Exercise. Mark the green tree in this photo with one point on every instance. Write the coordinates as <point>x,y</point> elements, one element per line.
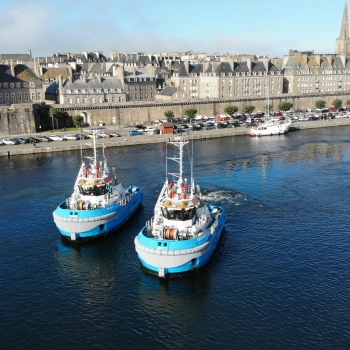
<point>231,110</point>
<point>248,109</point>
<point>337,103</point>
<point>320,104</point>
<point>78,121</point>
<point>285,106</point>
<point>53,114</point>
<point>169,115</point>
<point>348,102</point>
<point>269,107</point>
<point>190,113</point>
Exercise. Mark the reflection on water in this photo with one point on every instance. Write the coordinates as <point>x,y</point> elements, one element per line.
<point>279,275</point>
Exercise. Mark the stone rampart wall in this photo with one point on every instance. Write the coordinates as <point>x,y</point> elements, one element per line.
<point>19,119</point>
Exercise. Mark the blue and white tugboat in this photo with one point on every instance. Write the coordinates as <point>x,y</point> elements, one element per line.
<point>98,204</point>
<point>184,232</point>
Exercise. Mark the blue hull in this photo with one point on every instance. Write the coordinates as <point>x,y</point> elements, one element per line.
<point>161,247</point>
<point>84,225</point>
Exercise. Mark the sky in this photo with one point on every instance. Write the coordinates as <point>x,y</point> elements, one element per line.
<point>260,27</point>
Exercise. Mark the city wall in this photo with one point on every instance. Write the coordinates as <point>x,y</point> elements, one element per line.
<point>33,118</point>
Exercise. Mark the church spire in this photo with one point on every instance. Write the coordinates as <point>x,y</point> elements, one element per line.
<point>344,30</point>
<point>342,44</point>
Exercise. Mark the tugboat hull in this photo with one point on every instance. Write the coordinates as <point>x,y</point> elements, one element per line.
<point>84,225</point>
<point>168,257</point>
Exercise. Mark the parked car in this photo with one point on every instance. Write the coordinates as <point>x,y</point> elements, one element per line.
<point>32,139</point>
<point>81,136</point>
<point>224,124</point>
<point>20,140</point>
<point>176,120</point>
<point>134,132</point>
<point>195,127</point>
<point>43,138</point>
<point>8,141</point>
<point>69,137</point>
<point>103,134</point>
<point>209,125</point>
<point>235,124</point>
<point>56,138</point>
<point>114,134</point>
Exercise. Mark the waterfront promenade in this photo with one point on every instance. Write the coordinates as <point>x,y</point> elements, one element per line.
<point>127,140</point>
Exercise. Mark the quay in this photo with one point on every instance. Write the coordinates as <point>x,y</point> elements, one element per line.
<point>127,140</point>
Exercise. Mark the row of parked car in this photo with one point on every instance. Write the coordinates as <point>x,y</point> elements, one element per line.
<point>49,138</point>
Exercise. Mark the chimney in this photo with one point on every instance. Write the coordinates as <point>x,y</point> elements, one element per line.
<point>249,64</point>
<point>12,69</point>
<point>187,66</point>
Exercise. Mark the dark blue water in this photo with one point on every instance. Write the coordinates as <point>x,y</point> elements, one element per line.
<point>279,278</point>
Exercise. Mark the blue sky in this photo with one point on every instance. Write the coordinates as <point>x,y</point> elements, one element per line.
<point>262,27</point>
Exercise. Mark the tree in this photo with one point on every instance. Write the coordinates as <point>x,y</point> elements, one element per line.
<point>348,102</point>
<point>53,115</point>
<point>190,113</point>
<point>337,103</point>
<point>248,109</point>
<point>169,115</point>
<point>231,110</point>
<point>78,121</point>
<point>320,104</point>
<point>285,106</point>
<point>269,107</point>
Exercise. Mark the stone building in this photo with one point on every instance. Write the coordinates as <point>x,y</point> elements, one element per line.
<point>19,84</point>
<point>86,91</point>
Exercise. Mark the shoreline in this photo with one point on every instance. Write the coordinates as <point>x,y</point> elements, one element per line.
<point>127,140</point>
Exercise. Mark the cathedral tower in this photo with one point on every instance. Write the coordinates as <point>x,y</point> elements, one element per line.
<point>342,45</point>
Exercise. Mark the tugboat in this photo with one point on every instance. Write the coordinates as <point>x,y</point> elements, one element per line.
<point>98,205</point>
<point>184,231</point>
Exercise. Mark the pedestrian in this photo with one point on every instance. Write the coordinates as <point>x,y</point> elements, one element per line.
<point>34,144</point>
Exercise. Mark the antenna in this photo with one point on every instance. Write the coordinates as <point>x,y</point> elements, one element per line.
<point>166,161</point>
<point>192,174</point>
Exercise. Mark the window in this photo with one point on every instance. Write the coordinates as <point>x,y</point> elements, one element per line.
<point>85,100</point>
<point>13,97</point>
<point>93,99</point>
<point>6,97</point>
<point>0,97</point>
<point>113,99</point>
<point>25,85</point>
<point>26,97</point>
<point>78,100</point>
<point>19,96</point>
<point>100,100</point>
<point>136,95</point>
<point>70,101</point>
<point>39,96</point>
<point>33,96</point>
<point>31,84</point>
<point>120,99</point>
<point>6,85</point>
<point>18,85</point>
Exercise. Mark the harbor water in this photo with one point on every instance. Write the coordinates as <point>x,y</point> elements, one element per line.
<point>279,278</point>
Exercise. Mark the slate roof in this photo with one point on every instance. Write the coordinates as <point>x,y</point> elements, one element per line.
<point>94,83</point>
<point>15,57</point>
<point>168,91</point>
<point>53,73</point>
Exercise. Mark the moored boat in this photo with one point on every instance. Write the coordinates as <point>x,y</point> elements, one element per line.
<point>184,231</point>
<point>98,205</point>
<point>271,126</point>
